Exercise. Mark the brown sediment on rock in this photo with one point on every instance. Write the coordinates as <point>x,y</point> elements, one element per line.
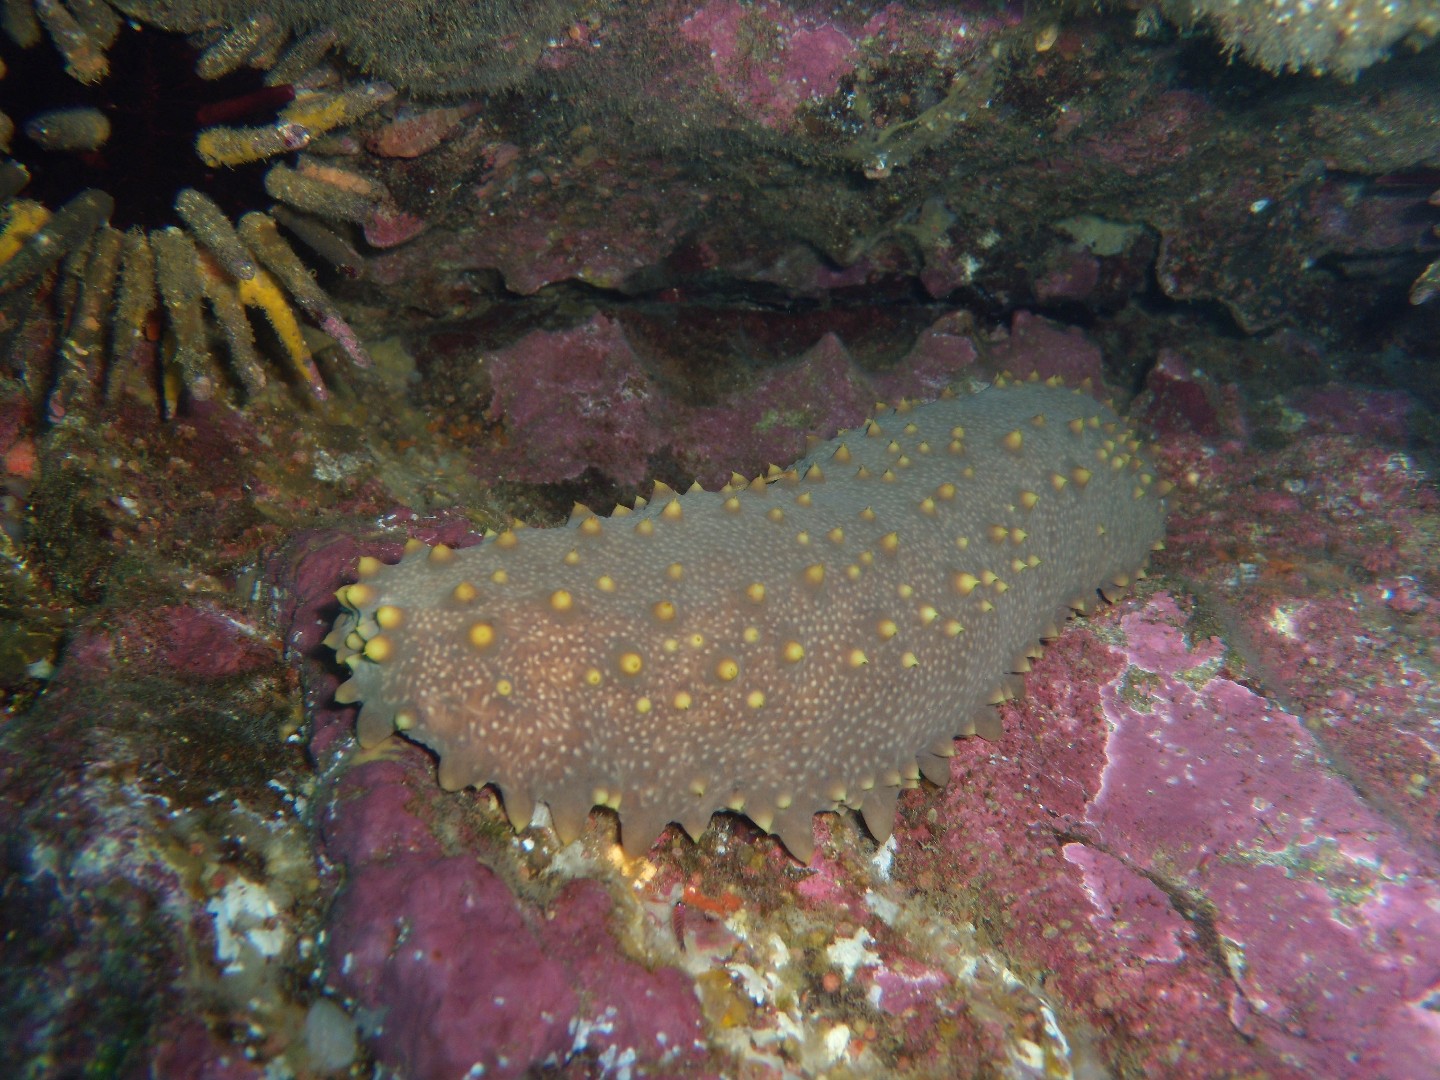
<point>800,642</point>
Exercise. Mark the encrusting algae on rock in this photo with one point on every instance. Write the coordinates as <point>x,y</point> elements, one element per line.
<point>801,642</point>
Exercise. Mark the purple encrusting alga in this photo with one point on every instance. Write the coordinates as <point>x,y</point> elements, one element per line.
<point>1328,921</point>
<point>461,975</point>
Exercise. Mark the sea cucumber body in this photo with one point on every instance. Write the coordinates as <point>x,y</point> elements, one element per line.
<point>780,647</point>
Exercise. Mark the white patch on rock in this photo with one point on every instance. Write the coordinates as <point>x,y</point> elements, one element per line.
<point>246,921</point>
<point>852,953</point>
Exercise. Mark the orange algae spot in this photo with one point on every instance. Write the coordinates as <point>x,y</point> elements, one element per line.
<point>23,219</point>
<point>725,904</point>
<point>21,460</point>
<point>343,179</point>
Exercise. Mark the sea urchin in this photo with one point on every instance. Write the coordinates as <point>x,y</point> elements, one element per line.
<point>142,194</point>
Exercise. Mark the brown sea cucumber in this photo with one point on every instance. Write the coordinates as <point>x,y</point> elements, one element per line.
<point>799,642</point>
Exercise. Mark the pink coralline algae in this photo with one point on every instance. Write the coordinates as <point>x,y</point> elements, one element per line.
<point>1340,411</point>
<point>1037,346</point>
<point>905,986</point>
<point>1328,919</point>
<point>461,974</point>
<point>129,921</point>
<point>191,641</point>
<point>1181,399</point>
<point>1222,901</point>
<point>577,399</point>
<point>574,399</point>
<point>1292,551</point>
<point>772,59</point>
<point>1129,905</point>
<point>1158,137</point>
<point>501,1005</point>
<point>803,58</point>
<point>821,390</point>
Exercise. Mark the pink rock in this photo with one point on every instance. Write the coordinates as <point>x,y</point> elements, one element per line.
<point>1129,905</point>
<point>376,824</point>
<point>821,392</point>
<point>572,400</point>
<point>418,133</point>
<point>1181,398</point>
<point>1344,410</point>
<point>542,235</point>
<point>1230,904</point>
<point>440,950</point>
<point>581,398</point>
<point>172,641</point>
<point>1036,345</point>
<point>1158,137</point>
<point>463,973</point>
<point>798,268</point>
<point>1073,278</point>
<point>827,885</point>
<point>808,58</point>
<point>630,1012</point>
<point>390,227</point>
<point>907,985</point>
<point>209,644</point>
<point>937,359</point>
<point>1290,545</point>
<point>1226,796</point>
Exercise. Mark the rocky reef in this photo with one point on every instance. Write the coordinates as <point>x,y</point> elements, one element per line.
<point>281,288</point>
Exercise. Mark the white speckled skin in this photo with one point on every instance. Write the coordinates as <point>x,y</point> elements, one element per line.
<point>779,648</point>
